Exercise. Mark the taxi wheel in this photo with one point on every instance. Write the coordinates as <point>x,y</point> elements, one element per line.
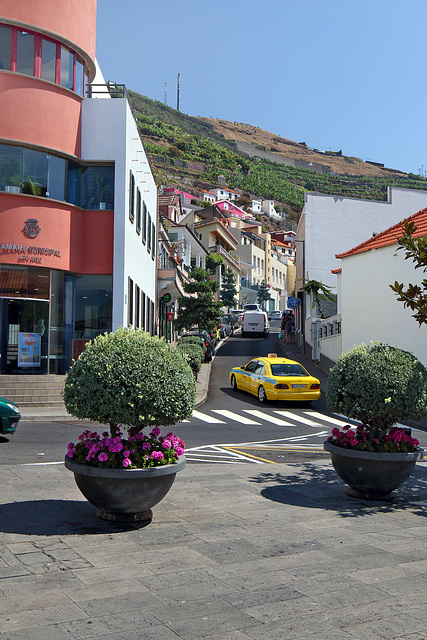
<point>234,383</point>
<point>262,396</point>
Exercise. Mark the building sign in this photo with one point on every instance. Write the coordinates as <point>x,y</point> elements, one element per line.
<point>27,254</point>
<point>293,303</point>
<point>169,316</point>
<point>166,298</point>
<point>28,349</point>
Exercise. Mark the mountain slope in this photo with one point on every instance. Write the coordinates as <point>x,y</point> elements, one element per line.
<point>202,153</point>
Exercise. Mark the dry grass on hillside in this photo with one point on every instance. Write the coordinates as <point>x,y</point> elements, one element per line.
<point>282,146</point>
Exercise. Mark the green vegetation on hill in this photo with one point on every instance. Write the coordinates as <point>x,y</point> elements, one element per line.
<point>176,139</point>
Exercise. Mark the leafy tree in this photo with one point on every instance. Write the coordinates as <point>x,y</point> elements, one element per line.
<point>130,378</point>
<point>198,307</point>
<point>228,292</point>
<point>263,293</point>
<point>320,292</point>
<point>214,260</point>
<point>414,296</point>
<point>378,385</point>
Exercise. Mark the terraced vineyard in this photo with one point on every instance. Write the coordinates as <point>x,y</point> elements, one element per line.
<point>189,151</point>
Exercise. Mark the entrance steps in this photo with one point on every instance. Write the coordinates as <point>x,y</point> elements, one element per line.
<point>33,391</point>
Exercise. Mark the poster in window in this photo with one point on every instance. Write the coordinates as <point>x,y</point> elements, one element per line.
<point>28,349</point>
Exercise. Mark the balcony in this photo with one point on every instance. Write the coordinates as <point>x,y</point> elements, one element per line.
<point>218,249</point>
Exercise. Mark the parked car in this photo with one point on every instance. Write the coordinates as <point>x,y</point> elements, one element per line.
<point>274,378</point>
<point>255,322</point>
<point>225,328</point>
<point>9,416</point>
<point>275,315</point>
<point>238,313</point>
<point>209,342</point>
<point>251,307</point>
<point>233,320</point>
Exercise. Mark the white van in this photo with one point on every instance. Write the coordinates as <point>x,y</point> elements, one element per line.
<point>255,322</point>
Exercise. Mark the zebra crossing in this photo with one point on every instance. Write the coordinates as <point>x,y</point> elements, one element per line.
<point>235,453</point>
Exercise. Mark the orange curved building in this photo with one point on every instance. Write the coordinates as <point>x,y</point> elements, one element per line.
<point>65,192</point>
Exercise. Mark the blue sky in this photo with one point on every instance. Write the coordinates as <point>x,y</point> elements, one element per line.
<point>337,74</point>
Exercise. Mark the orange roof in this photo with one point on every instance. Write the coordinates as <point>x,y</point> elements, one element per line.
<point>391,235</point>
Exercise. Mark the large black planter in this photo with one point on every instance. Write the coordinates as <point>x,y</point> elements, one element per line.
<point>370,475</point>
<point>124,495</point>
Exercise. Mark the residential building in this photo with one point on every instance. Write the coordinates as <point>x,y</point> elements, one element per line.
<point>330,224</point>
<point>365,276</point>
<point>78,202</point>
<point>179,251</point>
<point>222,193</point>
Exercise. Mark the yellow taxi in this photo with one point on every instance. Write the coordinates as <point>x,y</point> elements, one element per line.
<point>274,378</point>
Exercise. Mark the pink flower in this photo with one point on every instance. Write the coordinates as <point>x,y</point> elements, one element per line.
<point>157,455</point>
<point>179,451</point>
<point>126,453</point>
<point>103,457</point>
<point>156,432</point>
<point>126,462</point>
<point>166,444</point>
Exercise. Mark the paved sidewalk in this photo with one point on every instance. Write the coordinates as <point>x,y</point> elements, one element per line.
<point>234,552</point>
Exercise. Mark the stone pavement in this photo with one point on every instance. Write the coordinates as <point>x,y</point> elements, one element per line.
<point>234,552</point>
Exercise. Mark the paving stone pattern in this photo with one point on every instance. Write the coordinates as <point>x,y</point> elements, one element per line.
<point>233,553</point>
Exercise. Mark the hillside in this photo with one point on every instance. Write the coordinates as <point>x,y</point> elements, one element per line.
<point>201,153</point>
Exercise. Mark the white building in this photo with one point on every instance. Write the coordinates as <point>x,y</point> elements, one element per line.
<point>328,226</point>
<point>369,309</point>
<point>109,132</point>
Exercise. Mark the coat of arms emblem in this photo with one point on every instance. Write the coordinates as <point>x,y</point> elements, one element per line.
<point>31,229</point>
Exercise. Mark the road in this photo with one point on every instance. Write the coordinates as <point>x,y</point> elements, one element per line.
<point>230,427</point>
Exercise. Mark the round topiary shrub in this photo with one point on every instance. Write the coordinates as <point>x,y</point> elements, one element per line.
<point>378,385</point>
<point>130,378</point>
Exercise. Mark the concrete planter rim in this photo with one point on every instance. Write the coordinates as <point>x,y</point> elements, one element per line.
<point>150,472</point>
<point>373,455</point>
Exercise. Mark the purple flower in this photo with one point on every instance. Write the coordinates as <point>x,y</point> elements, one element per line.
<point>155,432</point>
<point>157,455</point>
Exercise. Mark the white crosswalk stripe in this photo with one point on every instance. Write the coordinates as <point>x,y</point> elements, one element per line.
<point>268,418</point>
<point>205,418</point>
<point>235,416</point>
<point>339,423</point>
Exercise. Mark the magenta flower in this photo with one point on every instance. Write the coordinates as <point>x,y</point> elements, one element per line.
<point>127,462</point>
<point>157,455</point>
<point>103,457</point>
<point>166,444</point>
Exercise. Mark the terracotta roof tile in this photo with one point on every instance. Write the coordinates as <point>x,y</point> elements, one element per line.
<point>390,235</point>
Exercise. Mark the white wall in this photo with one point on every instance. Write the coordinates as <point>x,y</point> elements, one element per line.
<point>334,224</point>
<point>370,309</point>
<point>109,132</point>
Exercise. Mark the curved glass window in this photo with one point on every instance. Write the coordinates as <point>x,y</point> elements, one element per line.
<point>25,53</point>
<point>48,60</point>
<point>58,63</point>
<point>67,68</point>
<point>38,173</point>
<point>5,43</point>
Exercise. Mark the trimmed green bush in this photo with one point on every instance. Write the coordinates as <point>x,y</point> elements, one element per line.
<point>194,340</point>
<point>193,354</point>
<point>131,378</point>
<point>378,385</point>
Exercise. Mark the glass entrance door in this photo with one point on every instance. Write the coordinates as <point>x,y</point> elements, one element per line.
<point>24,331</point>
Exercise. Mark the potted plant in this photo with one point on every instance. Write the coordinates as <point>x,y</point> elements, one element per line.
<point>378,385</point>
<point>128,380</point>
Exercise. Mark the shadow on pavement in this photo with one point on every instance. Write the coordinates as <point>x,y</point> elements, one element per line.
<point>57,517</point>
<point>320,488</point>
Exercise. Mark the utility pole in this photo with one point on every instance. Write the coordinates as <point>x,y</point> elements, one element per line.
<point>177,91</point>
<point>166,92</point>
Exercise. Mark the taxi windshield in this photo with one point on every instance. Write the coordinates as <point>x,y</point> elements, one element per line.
<point>288,370</point>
